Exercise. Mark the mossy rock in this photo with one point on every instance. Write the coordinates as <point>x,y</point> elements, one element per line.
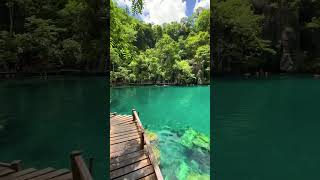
<point>182,171</point>
<point>188,137</point>
<point>196,176</point>
<point>202,141</point>
<point>192,138</point>
<point>152,136</point>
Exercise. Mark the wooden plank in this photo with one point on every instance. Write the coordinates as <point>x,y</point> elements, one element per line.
<point>51,174</point>
<point>17,174</point>
<point>127,156</point>
<point>114,123</point>
<point>124,133</point>
<point>150,177</point>
<point>7,165</point>
<point>129,126</point>
<point>130,168</point>
<point>123,130</point>
<point>6,171</point>
<point>124,115</point>
<point>119,117</point>
<point>35,174</point>
<point>128,140</point>
<point>121,123</point>
<point>124,152</point>
<point>127,162</point>
<point>127,137</point>
<point>112,128</point>
<point>63,177</point>
<point>124,146</point>
<point>2,168</point>
<point>115,120</point>
<point>137,174</point>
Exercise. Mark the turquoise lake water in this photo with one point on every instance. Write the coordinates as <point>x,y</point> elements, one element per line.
<point>266,128</point>
<point>42,121</point>
<point>169,111</point>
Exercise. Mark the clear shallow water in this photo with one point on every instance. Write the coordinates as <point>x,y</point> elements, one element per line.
<point>266,129</point>
<point>42,121</point>
<point>168,111</point>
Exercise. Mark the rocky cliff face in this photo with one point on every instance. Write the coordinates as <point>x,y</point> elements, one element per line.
<point>281,26</point>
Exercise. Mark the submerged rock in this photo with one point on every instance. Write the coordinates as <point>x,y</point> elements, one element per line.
<point>182,171</point>
<point>152,136</point>
<point>191,138</point>
<point>188,137</point>
<point>196,176</point>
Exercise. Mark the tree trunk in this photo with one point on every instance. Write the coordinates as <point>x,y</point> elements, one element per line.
<point>11,20</point>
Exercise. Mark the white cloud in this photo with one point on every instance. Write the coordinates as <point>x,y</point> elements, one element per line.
<point>124,3</point>
<point>202,3</point>
<point>160,11</point>
<point>164,11</point>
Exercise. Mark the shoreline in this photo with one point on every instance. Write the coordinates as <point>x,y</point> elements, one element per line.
<point>155,84</point>
<point>46,75</point>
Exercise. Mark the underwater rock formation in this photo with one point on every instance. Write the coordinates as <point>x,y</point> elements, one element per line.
<point>196,176</point>
<point>191,139</point>
<point>152,136</point>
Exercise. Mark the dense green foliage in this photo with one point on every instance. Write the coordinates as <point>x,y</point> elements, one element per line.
<point>238,40</point>
<point>250,35</point>
<point>177,52</point>
<point>43,36</point>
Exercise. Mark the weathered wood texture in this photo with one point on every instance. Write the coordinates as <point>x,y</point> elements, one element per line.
<point>130,154</point>
<point>13,171</point>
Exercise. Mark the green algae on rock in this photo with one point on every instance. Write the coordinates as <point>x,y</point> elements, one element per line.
<point>182,171</point>
<point>152,136</point>
<point>196,176</point>
<point>191,138</point>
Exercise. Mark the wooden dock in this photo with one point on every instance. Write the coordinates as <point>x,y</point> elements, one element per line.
<point>131,155</point>
<point>79,171</point>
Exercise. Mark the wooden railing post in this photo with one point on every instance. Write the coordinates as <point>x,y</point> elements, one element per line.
<point>74,168</point>
<point>133,116</point>
<point>79,168</point>
<point>142,140</point>
<point>91,165</point>
<point>16,165</point>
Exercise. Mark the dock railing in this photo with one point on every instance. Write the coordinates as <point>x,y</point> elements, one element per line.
<point>80,171</point>
<point>145,144</point>
<point>15,165</point>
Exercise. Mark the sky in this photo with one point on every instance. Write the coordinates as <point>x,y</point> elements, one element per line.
<point>166,11</point>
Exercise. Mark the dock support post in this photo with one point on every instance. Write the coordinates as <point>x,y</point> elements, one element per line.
<point>74,169</point>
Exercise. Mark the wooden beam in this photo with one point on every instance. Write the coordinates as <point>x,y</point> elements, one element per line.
<point>78,167</point>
